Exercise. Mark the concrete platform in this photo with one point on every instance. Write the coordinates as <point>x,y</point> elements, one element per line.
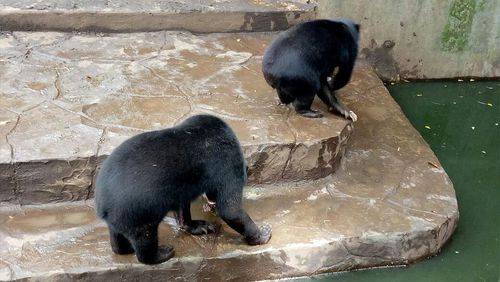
<point>390,203</point>
<point>67,100</point>
<point>153,15</point>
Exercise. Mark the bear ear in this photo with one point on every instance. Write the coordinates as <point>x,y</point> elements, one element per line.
<point>357,27</point>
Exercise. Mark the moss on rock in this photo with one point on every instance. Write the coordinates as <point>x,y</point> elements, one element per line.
<point>455,35</point>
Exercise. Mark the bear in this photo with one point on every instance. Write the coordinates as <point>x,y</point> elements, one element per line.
<point>299,64</point>
<point>156,172</point>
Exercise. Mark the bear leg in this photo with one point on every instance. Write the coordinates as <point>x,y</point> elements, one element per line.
<point>303,104</point>
<point>284,97</point>
<point>328,97</point>
<point>119,243</point>
<point>194,227</point>
<point>145,242</point>
<point>239,220</point>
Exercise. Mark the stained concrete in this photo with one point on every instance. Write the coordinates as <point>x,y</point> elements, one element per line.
<point>390,203</point>
<point>153,15</point>
<point>427,38</point>
<point>370,193</point>
<point>67,100</point>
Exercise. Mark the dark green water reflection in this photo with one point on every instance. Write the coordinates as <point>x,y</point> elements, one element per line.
<point>460,121</point>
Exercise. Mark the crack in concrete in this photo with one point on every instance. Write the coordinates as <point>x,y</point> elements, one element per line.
<point>123,127</point>
<point>57,86</point>
<point>158,52</point>
<point>340,194</point>
<point>27,54</point>
<point>413,209</point>
<point>66,36</point>
<point>183,116</point>
<point>396,189</point>
<point>91,161</point>
<point>227,69</point>
<point>349,252</point>
<point>157,96</point>
<point>93,60</point>
<point>294,145</point>
<point>18,118</point>
<point>52,58</point>
<point>9,268</point>
<point>17,41</point>
<point>95,160</point>
<point>185,96</point>
<point>322,269</point>
<point>75,174</point>
<point>243,63</point>
<point>32,107</point>
<point>16,187</point>
<point>251,71</point>
<point>290,153</point>
<point>80,114</point>
<point>199,268</point>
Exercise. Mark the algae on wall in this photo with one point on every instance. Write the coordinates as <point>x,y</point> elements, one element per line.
<point>458,27</point>
<point>432,38</point>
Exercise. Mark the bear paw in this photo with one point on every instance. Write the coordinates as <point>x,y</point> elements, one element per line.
<point>311,114</point>
<point>200,227</point>
<point>353,116</point>
<point>263,237</point>
<point>163,254</point>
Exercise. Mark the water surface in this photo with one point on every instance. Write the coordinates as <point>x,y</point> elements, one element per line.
<point>460,121</point>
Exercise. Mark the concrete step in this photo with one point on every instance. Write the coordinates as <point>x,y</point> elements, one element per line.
<point>153,15</point>
<point>67,100</point>
<point>390,203</point>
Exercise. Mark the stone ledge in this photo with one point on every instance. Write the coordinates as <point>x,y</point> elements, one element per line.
<point>386,205</point>
<point>67,100</point>
<point>323,226</point>
<point>204,16</point>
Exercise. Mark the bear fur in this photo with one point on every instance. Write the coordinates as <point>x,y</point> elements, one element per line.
<point>299,62</point>
<point>156,172</point>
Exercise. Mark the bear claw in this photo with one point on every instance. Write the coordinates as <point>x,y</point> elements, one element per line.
<point>200,227</point>
<point>263,237</point>
<point>164,253</point>
<point>311,114</point>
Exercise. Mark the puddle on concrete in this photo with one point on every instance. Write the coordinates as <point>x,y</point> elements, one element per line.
<point>39,220</point>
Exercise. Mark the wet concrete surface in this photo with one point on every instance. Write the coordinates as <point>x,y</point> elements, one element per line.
<point>153,5</point>
<point>153,15</point>
<point>67,100</point>
<point>390,203</point>
<point>444,112</point>
<point>381,208</point>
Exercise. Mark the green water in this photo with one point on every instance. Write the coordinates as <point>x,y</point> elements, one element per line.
<point>461,123</point>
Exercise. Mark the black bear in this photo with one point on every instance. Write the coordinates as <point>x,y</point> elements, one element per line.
<point>156,172</point>
<point>299,62</point>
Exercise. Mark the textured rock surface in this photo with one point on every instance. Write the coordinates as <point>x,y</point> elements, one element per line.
<point>67,100</point>
<point>427,39</point>
<point>153,15</point>
<point>386,205</point>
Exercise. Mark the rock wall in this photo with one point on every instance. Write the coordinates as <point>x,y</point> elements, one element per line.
<point>425,38</point>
